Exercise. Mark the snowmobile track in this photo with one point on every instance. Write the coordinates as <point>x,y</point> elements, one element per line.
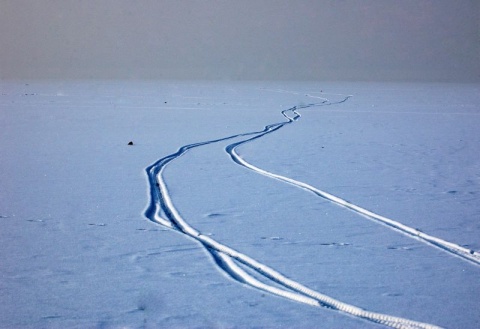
<point>161,210</point>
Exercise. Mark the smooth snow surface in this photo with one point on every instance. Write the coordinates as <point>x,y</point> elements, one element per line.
<point>363,206</point>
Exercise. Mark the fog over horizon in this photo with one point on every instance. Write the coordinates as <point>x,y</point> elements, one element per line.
<point>413,40</point>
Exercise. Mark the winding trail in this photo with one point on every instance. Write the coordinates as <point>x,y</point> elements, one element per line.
<point>241,267</point>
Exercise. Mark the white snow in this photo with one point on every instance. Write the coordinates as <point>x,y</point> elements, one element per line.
<point>77,250</point>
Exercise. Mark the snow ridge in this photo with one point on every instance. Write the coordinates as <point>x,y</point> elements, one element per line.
<point>239,266</point>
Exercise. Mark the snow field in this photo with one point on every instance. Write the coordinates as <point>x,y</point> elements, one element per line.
<point>407,152</point>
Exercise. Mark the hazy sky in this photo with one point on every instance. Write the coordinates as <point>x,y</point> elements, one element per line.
<point>242,39</point>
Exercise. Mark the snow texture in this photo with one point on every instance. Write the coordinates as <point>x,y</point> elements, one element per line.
<point>264,199</point>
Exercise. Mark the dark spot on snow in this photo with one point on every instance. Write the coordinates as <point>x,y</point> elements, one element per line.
<point>398,248</point>
<point>452,192</point>
<point>97,224</point>
<point>214,214</point>
<point>130,143</point>
<point>472,252</point>
<point>1,216</point>
<point>341,244</point>
<point>165,102</point>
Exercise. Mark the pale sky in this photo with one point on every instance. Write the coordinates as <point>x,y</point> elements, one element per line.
<point>436,40</point>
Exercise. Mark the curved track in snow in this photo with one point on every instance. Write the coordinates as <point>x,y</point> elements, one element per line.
<point>462,252</point>
<point>161,210</point>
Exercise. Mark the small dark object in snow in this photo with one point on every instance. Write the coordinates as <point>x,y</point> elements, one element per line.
<point>130,143</point>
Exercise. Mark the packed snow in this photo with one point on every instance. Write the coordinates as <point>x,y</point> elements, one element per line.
<point>239,204</point>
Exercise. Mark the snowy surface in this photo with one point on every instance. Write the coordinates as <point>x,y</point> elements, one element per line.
<point>77,250</point>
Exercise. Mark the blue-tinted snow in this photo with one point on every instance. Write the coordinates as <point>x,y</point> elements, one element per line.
<point>77,251</point>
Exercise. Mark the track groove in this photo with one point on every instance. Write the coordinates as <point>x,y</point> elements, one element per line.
<point>161,210</point>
